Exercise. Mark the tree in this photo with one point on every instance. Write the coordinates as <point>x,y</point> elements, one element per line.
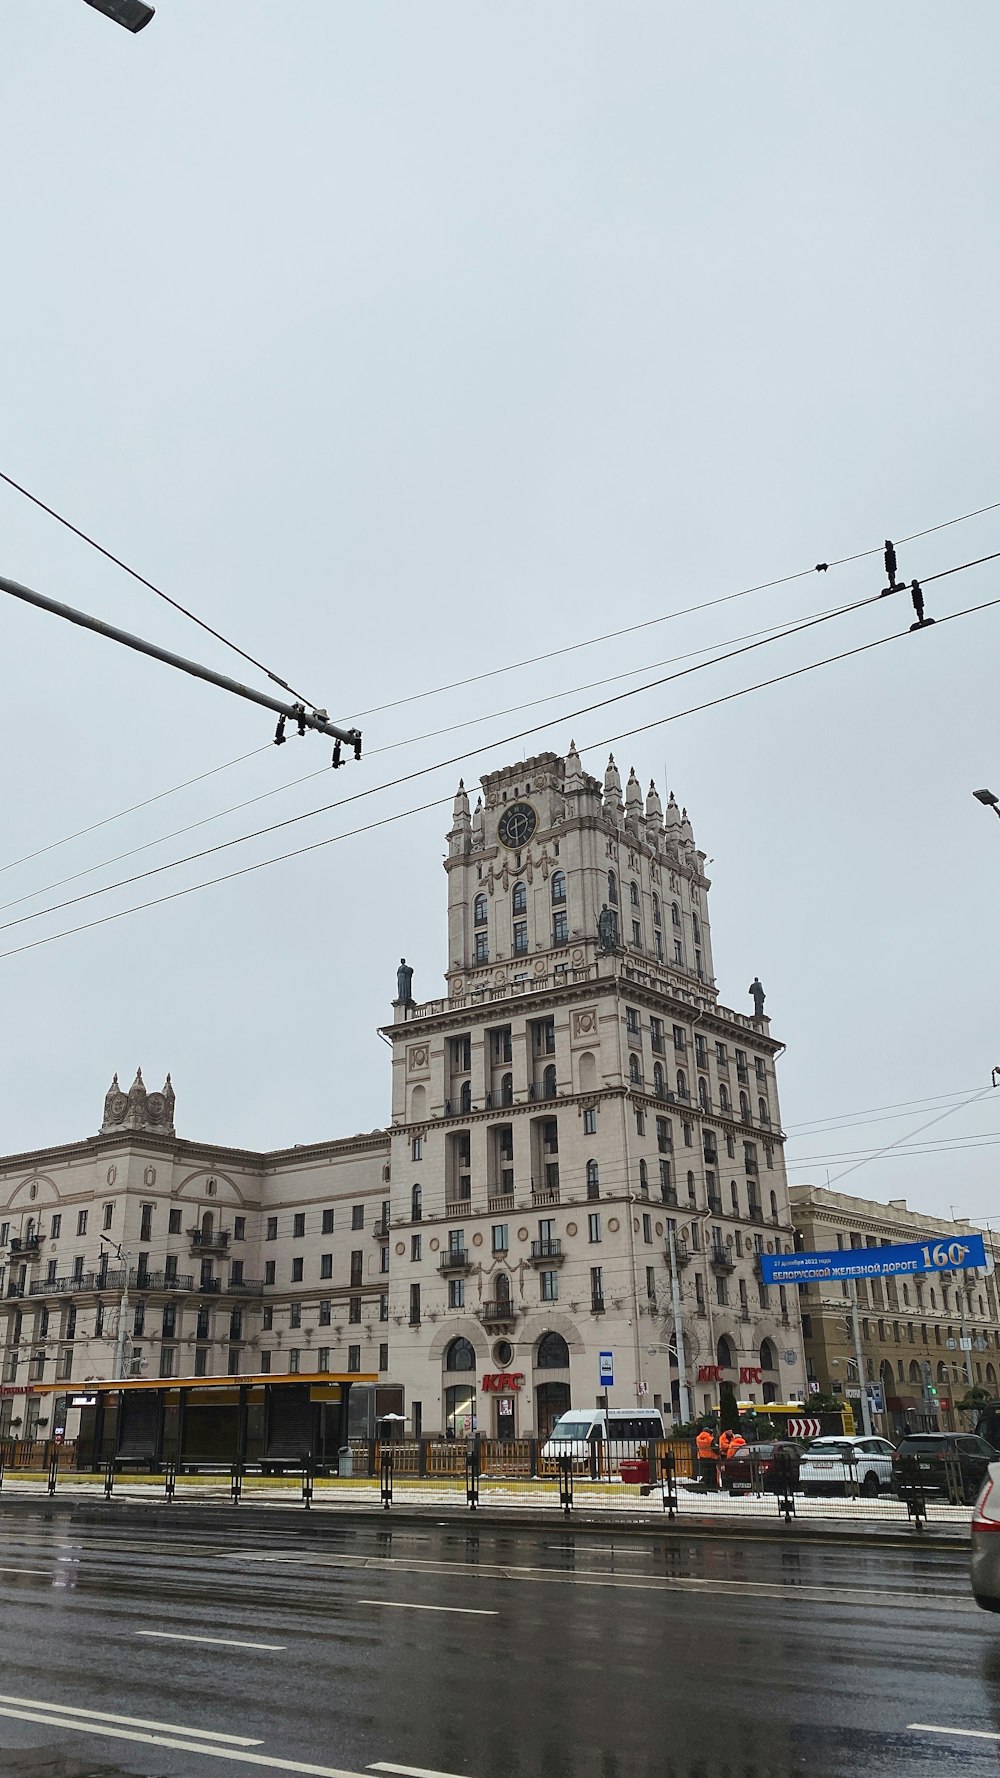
<point>729,1413</point>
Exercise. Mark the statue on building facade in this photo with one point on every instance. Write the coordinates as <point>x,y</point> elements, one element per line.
<point>607,929</point>
<point>757,993</point>
<point>404,982</point>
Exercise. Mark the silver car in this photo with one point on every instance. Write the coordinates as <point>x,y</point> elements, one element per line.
<point>986,1542</point>
<point>831,1464</point>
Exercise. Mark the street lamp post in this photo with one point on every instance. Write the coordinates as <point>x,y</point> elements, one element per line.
<point>989,800</point>
<point>133,14</point>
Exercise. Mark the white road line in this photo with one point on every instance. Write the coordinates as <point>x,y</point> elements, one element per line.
<point>598,1549</point>
<point>206,1748</point>
<point>216,1641</point>
<point>45,1571</point>
<point>403,1605</point>
<point>385,1765</point>
<point>132,1722</point>
<point>931,1728</point>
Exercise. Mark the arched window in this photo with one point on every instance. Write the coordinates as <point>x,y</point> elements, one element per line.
<point>656,910</point>
<point>416,1204</point>
<point>480,910</point>
<point>906,1296</point>
<point>658,1079</point>
<point>465,1096</point>
<point>703,1093</point>
<point>507,1090</point>
<point>612,888</point>
<point>942,1371</point>
<point>991,1375</point>
<point>206,1228</point>
<point>735,1195</point>
<point>682,1085</point>
<point>633,893</point>
<point>552,1400</point>
<point>519,899</point>
<point>768,1356</point>
<point>675,914</point>
<point>558,888</point>
<point>644,1179</point>
<point>762,1111</point>
<point>725,1103</point>
<point>744,1109</point>
<point>501,1288</point>
<point>633,1070</point>
<point>549,1081</point>
<point>774,1207</point>
<point>724,1353</point>
<point>460,1355</point>
<point>914,1371</point>
<point>691,1191</point>
<point>593,1180</point>
<point>552,1353</point>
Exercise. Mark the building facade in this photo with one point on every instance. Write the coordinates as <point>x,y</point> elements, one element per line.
<point>585,1157</point>
<point>925,1339</point>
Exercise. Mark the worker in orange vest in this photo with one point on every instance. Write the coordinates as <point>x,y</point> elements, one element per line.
<point>730,1443</point>
<point>708,1458</point>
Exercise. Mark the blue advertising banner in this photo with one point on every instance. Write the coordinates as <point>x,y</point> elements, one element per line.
<point>944,1255</point>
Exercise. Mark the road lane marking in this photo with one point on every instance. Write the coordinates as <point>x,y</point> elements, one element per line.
<point>403,1605</point>
<point>931,1728</point>
<point>217,1641</point>
<point>598,1549</point>
<point>45,1571</point>
<point>206,1748</point>
<point>134,1722</point>
<point>385,1765</point>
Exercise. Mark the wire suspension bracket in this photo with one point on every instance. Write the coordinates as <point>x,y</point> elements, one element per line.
<point>899,586</point>
<point>297,712</point>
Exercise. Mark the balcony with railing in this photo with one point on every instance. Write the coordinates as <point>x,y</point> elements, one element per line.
<point>25,1246</point>
<point>721,1257</point>
<point>499,1313</point>
<point>547,1253</point>
<point>597,1304</point>
<point>209,1240</point>
<point>76,1283</point>
<point>682,1253</point>
<point>380,1229</point>
<point>498,1206</point>
<point>454,1261</point>
<point>542,1195</point>
<point>157,1281</point>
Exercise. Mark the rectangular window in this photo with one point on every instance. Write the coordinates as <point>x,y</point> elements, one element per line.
<point>520,938</point>
<point>168,1355</point>
<point>81,1223</point>
<point>482,947</point>
<point>174,1222</point>
<point>296,1271</point>
<point>640,1122</point>
<point>326,1265</point>
<point>383,1260</point>
<point>383,1306</point>
<point>267,1317</point>
<point>294,1354</point>
<point>760,1068</point>
<point>233,1366</point>
<point>145,1222</point>
<point>699,1290</point>
<point>414,1305</point>
<point>298,1225</point>
<point>236,1272</point>
<point>357,1216</point>
<point>650,1284</point>
<point>632,1020</point>
<point>56,1229</point>
<point>722,1060</point>
<point>560,927</point>
<point>295,1314</point>
<point>656,1036</point>
<point>456,1293</point>
<point>594,1226</point>
<point>239,1228</point>
<point>327,1222</point>
<point>597,1286</point>
<point>66,1362</point>
<point>271,1233</point>
<point>236,1324</point>
<point>590,1121</point>
<point>109,1211</point>
<point>170,1269</point>
<point>354,1311</point>
<point>354,1358</point>
<point>269,1265</point>
<point>357,1268</point>
<point>325,1312</point>
<point>688,1135</point>
<point>323,1359</point>
<point>637,935</point>
<point>383,1356</point>
<point>417,1148</point>
<point>549,1286</point>
<point>414,1247</point>
<point>201,1361</point>
<point>678,951</point>
<point>647,1226</point>
<point>722,1291</point>
<point>99,1321</point>
<point>265,1364</point>
<point>139,1319</point>
<point>501,1237</point>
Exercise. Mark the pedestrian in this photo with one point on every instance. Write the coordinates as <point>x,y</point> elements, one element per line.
<point>708,1458</point>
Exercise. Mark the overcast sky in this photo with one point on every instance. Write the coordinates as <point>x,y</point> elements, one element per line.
<point>404,341</point>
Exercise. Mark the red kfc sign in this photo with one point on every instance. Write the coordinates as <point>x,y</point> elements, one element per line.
<point>710,1373</point>
<point>498,1382</point>
<point>751,1373</point>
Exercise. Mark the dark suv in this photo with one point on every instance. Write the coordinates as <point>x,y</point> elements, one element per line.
<point>950,1463</point>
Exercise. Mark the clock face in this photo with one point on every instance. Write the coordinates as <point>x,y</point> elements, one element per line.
<point>517,824</point>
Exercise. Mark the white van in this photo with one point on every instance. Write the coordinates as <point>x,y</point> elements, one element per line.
<point>576,1431</point>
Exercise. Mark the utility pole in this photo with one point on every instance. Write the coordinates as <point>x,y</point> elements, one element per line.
<point>295,713</point>
<point>866,1410</point>
<point>122,1336</point>
<point>684,1400</point>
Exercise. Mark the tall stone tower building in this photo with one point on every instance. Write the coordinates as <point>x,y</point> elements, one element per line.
<point>586,1148</point>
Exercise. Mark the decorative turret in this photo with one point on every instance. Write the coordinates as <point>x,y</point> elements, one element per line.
<point>613,790</point>
<point>460,837</point>
<point>687,831</point>
<point>654,814</point>
<point>574,779</point>
<point>672,818</point>
<point>137,1109</point>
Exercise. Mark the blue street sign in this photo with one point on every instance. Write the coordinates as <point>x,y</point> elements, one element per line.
<point>606,1369</point>
<point>945,1254</point>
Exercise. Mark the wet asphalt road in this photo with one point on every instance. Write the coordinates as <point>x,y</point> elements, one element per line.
<point>556,1654</point>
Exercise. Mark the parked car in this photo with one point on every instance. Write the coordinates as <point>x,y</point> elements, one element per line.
<point>831,1464</point>
<point>986,1542</point>
<point>757,1469</point>
<point>950,1463</point>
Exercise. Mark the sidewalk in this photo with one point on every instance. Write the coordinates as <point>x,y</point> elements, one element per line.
<point>531,1504</point>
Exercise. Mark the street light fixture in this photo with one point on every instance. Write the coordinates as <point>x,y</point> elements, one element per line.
<point>988,798</point>
<point>133,14</point>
